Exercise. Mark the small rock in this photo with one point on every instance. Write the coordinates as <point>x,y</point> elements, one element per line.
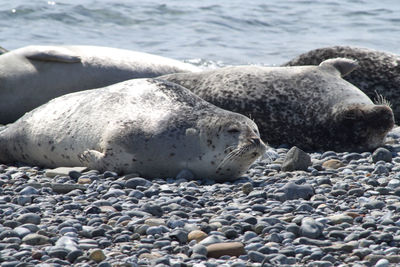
<point>29,218</point>
<point>247,188</point>
<point>35,239</point>
<point>296,159</point>
<point>341,218</point>
<point>310,228</point>
<point>333,164</point>
<point>374,204</point>
<point>197,235</point>
<point>294,191</point>
<point>221,249</point>
<point>97,255</point>
<point>382,263</point>
<point>381,154</point>
<point>199,249</point>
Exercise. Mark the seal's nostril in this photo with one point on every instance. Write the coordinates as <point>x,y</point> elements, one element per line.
<point>255,141</point>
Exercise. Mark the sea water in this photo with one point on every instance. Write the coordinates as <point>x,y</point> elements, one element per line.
<point>221,32</point>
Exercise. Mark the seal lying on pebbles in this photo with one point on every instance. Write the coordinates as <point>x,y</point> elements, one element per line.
<point>378,74</point>
<point>311,107</point>
<point>32,75</point>
<point>147,126</point>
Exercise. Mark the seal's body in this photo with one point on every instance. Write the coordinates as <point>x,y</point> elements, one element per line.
<point>378,74</point>
<point>309,106</point>
<point>32,75</point>
<point>147,126</point>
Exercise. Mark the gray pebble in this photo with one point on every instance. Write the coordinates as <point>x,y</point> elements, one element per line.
<point>381,154</point>
<point>296,159</point>
<point>310,228</point>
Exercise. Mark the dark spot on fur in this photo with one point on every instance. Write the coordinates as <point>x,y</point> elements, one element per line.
<point>172,154</point>
<point>52,148</point>
<point>133,160</point>
<point>141,162</point>
<point>209,142</point>
<point>212,163</point>
<point>39,144</point>
<point>200,158</point>
<point>44,156</point>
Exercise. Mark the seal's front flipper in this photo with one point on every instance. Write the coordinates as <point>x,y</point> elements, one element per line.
<point>92,159</point>
<point>51,53</point>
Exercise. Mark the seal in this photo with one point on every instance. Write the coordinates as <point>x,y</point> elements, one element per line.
<point>378,74</point>
<point>311,107</point>
<point>32,75</point>
<point>146,126</point>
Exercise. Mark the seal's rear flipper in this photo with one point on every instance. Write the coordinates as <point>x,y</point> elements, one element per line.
<point>343,65</point>
<point>54,54</point>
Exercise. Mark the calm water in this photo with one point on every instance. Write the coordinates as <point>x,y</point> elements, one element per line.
<point>225,31</point>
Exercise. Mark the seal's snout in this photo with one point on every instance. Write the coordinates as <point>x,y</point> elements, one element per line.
<point>381,117</point>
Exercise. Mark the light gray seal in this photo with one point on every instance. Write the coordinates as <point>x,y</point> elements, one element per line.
<point>32,75</point>
<point>378,74</point>
<point>146,126</point>
<point>311,107</point>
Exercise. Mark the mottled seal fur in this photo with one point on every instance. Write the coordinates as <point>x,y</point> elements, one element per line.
<point>311,107</point>
<point>147,126</point>
<point>378,74</point>
<point>32,75</point>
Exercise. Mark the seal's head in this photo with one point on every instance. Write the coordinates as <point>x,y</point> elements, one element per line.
<point>362,127</point>
<point>230,143</point>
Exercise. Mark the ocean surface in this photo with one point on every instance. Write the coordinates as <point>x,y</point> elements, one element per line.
<point>207,32</point>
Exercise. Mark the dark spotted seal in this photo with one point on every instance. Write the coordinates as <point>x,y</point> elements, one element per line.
<point>378,74</point>
<point>31,76</point>
<point>147,126</point>
<point>309,106</point>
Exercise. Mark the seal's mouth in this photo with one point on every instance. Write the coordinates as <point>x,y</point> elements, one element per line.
<point>252,149</point>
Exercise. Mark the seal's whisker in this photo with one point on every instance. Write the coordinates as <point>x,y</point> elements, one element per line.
<point>237,153</point>
<point>381,100</point>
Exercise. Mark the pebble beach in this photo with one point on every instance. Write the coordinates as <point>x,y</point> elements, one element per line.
<point>290,209</point>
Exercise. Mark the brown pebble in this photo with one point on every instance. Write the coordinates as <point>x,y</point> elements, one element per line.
<point>333,164</point>
<point>197,235</point>
<point>97,255</point>
<point>221,249</point>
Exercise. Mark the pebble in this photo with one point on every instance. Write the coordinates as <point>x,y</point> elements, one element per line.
<point>296,159</point>
<point>310,228</point>
<point>97,255</point>
<point>197,235</point>
<point>342,210</point>
<point>220,249</point>
<point>381,154</point>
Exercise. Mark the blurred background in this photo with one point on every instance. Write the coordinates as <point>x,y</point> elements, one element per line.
<point>206,32</point>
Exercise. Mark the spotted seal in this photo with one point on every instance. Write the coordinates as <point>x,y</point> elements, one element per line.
<point>32,75</point>
<point>147,126</point>
<point>378,74</point>
<point>311,107</point>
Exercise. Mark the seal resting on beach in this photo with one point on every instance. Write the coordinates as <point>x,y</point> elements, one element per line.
<point>378,74</point>
<point>147,126</point>
<point>32,75</point>
<point>311,107</point>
